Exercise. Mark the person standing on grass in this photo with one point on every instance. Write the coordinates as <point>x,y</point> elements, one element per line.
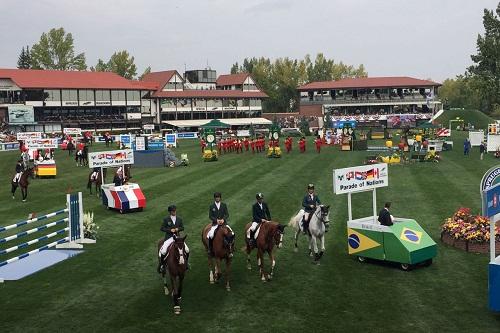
<point>482,149</point>
<point>318,143</point>
<point>467,147</point>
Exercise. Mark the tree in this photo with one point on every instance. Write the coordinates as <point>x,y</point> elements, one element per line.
<point>486,68</point>
<point>146,71</point>
<point>122,64</point>
<point>101,66</point>
<point>24,61</point>
<point>235,68</point>
<point>55,50</point>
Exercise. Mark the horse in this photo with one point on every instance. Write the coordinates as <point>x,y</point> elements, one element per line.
<point>176,263</point>
<point>70,147</point>
<point>82,157</point>
<point>316,232</point>
<point>97,181</point>
<point>23,183</point>
<point>223,249</point>
<point>270,234</point>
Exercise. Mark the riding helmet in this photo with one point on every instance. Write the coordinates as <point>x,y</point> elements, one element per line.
<point>310,186</point>
<point>172,208</point>
<point>217,195</point>
<point>259,196</point>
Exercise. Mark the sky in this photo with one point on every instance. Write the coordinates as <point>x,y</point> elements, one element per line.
<point>426,39</point>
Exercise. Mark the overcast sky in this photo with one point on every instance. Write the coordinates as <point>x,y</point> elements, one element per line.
<point>420,38</point>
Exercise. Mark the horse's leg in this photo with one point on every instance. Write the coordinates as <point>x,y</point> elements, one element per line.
<point>248,250</point>
<point>228,273</point>
<point>13,190</point>
<point>310,246</point>
<point>24,191</point>
<point>322,244</point>
<point>211,269</point>
<point>165,285</point>
<point>273,263</point>
<point>296,237</point>
<point>315,248</point>
<point>175,295</point>
<point>260,263</point>
<point>218,272</point>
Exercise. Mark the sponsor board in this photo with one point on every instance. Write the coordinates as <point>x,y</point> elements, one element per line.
<point>187,135</point>
<point>72,131</point>
<point>112,158</point>
<point>140,143</point>
<point>148,126</point>
<point>360,178</point>
<point>41,143</point>
<point>29,135</point>
<point>171,139</point>
<point>21,114</point>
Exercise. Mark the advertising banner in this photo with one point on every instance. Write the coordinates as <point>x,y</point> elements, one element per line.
<point>187,135</point>
<point>21,114</point>
<point>171,139</point>
<point>126,141</point>
<point>112,158</point>
<point>41,143</point>
<point>29,135</point>
<point>360,178</point>
<point>72,131</point>
<point>140,143</point>
<point>491,206</point>
<point>401,121</point>
<point>148,126</point>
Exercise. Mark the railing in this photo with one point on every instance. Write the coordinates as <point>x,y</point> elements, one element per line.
<point>363,100</point>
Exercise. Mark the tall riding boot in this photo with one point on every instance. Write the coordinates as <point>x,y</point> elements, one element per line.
<point>187,261</point>
<point>161,267</point>
<point>210,247</point>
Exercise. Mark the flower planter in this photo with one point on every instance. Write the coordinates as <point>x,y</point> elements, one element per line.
<point>483,247</point>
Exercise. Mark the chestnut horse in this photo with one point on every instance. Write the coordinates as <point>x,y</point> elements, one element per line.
<point>23,183</point>
<point>223,249</point>
<point>176,263</point>
<point>270,234</point>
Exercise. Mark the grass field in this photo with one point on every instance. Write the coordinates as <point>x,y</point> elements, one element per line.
<point>479,119</point>
<point>113,286</point>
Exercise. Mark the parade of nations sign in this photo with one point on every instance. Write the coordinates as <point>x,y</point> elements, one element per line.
<point>360,178</point>
<point>41,143</point>
<point>112,158</point>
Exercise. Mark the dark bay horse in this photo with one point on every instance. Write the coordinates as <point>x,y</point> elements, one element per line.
<point>97,181</point>
<point>176,263</point>
<point>223,248</point>
<point>23,183</point>
<point>82,157</point>
<point>270,234</point>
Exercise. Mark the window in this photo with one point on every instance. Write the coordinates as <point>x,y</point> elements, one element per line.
<point>69,95</point>
<point>118,95</point>
<point>102,95</point>
<point>86,95</point>
<point>133,95</point>
<point>52,95</point>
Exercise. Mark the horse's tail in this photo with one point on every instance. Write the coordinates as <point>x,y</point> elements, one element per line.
<point>294,221</point>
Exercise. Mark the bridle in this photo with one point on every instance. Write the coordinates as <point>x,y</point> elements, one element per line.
<point>322,214</point>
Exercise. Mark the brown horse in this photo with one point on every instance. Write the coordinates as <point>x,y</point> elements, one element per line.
<point>223,249</point>
<point>270,234</point>
<point>97,181</point>
<point>176,263</point>
<point>23,183</point>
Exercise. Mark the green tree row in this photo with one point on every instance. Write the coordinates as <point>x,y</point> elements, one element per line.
<point>280,78</point>
<point>56,50</point>
<point>479,87</point>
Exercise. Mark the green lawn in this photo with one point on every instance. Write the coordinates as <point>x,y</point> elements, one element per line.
<point>113,286</point>
<point>479,119</point>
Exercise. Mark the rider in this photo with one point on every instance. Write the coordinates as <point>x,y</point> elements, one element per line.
<point>94,174</point>
<point>119,180</point>
<point>218,215</point>
<point>171,226</point>
<point>261,214</point>
<point>310,202</point>
<point>19,171</point>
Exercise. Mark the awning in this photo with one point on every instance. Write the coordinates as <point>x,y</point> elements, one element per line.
<point>232,122</point>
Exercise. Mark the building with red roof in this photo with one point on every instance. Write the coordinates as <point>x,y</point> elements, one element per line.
<point>200,94</point>
<point>369,99</point>
<point>100,101</point>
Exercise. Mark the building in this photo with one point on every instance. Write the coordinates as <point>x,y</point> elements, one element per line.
<point>98,101</point>
<point>189,100</point>
<point>369,99</point>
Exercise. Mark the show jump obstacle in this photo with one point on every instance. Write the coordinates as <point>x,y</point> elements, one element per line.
<point>71,221</point>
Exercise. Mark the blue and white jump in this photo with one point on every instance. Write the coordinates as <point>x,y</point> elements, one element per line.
<point>73,231</point>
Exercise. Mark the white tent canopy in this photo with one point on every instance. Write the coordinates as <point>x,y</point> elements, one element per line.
<point>231,121</point>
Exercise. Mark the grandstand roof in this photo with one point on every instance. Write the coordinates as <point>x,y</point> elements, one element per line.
<point>160,78</point>
<point>53,79</point>
<point>231,79</point>
<point>370,82</point>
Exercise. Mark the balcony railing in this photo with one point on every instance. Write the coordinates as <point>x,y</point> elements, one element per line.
<point>363,100</point>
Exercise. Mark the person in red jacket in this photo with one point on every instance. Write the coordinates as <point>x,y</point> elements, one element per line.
<point>252,145</point>
<point>245,143</point>
<point>202,145</point>
<point>302,145</point>
<point>318,143</point>
<point>288,144</point>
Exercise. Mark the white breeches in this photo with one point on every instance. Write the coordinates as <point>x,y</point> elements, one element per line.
<point>252,228</point>
<point>94,175</point>
<point>167,243</point>
<point>211,232</point>
<point>17,177</point>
